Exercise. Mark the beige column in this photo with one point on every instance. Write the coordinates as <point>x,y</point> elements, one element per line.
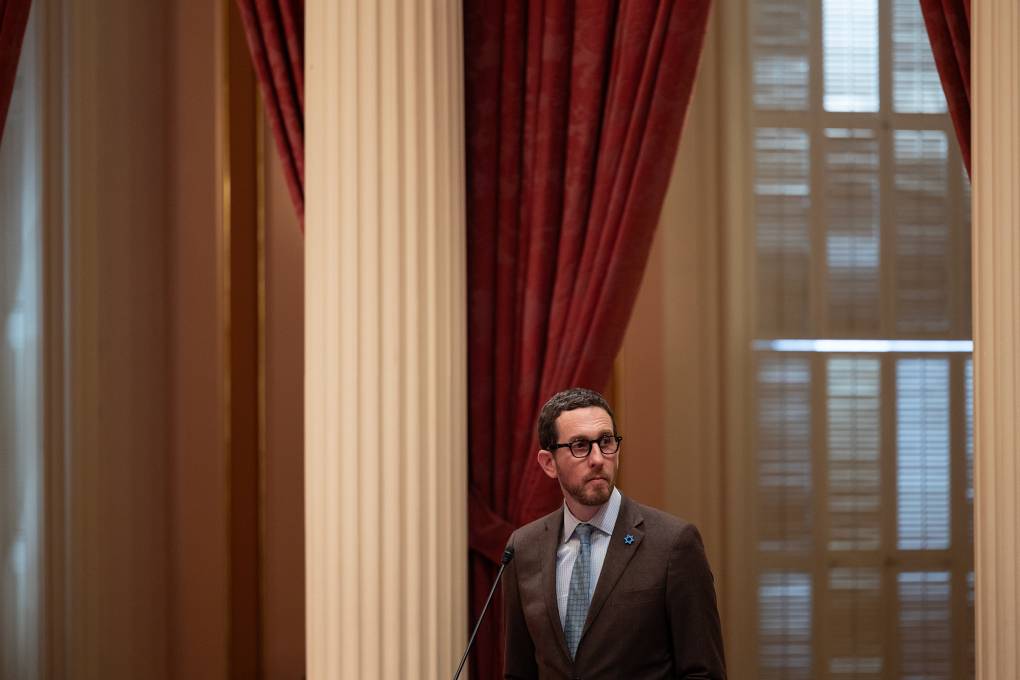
<point>385,371</point>
<point>996,173</point>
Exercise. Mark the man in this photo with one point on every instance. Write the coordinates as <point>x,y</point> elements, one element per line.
<point>605,587</point>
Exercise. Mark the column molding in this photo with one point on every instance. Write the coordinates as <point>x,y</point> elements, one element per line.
<point>385,343</point>
<point>996,283</point>
<point>114,457</point>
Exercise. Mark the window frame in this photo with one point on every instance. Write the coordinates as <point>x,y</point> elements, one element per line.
<point>742,272</point>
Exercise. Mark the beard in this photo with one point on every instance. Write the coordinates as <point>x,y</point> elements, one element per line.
<point>592,494</point>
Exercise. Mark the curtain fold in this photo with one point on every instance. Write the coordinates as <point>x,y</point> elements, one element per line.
<point>948,24</point>
<point>275,32</point>
<point>573,116</point>
<point>13,20</point>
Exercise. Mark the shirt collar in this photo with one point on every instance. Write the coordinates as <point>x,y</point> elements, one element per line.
<point>604,520</point>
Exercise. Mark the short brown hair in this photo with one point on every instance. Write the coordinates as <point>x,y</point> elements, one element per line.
<point>567,400</point>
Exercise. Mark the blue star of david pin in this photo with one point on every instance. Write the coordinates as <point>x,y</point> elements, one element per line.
<point>628,539</point>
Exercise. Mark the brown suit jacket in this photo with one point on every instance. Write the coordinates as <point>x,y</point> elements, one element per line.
<point>653,614</point>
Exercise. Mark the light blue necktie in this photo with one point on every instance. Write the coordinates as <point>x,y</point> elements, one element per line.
<point>580,586</point>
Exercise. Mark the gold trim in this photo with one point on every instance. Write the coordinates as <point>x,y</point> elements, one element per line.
<point>260,254</point>
<point>225,309</point>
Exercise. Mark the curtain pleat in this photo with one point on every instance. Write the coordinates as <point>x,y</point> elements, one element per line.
<point>948,24</point>
<point>573,115</point>
<point>13,20</point>
<point>275,32</point>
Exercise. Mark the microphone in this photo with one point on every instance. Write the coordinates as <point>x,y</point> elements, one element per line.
<point>508,555</point>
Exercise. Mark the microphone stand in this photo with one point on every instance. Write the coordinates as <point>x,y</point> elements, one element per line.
<point>508,555</point>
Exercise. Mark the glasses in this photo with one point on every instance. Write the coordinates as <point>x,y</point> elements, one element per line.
<point>609,445</point>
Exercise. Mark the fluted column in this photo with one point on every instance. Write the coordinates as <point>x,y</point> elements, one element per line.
<point>996,167</point>
<point>385,388</point>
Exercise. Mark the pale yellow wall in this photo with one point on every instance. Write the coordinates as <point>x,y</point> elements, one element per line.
<point>669,369</point>
<point>679,378</point>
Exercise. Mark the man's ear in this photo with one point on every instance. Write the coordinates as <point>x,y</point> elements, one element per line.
<point>545,460</point>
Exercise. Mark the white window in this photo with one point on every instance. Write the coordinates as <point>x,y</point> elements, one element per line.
<point>862,405</point>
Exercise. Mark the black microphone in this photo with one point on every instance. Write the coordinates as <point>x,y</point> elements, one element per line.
<point>508,555</point>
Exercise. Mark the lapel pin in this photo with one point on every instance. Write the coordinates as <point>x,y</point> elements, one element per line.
<point>628,539</point>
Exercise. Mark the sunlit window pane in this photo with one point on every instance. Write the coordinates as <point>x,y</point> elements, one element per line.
<point>854,401</point>
<point>853,231</point>
<point>971,668</point>
<point>925,626</point>
<point>782,202</point>
<point>855,607</point>
<point>850,54</point>
<point>966,308</point>
<point>922,453</point>
<point>784,626</point>
<point>924,256</point>
<point>784,453</point>
<point>916,84</point>
<point>968,382</point>
<point>780,49</point>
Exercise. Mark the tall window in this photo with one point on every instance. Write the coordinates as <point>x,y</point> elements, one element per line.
<point>20,371</point>
<point>863,409</point>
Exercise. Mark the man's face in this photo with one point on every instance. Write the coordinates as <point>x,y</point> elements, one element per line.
<point>585,481</point>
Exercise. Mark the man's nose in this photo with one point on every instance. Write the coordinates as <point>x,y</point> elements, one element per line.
<point>596,450</point>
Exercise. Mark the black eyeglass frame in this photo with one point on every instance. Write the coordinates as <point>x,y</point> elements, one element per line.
<point>570,445</point>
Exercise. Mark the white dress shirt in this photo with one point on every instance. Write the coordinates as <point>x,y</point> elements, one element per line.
<point>603,522</point>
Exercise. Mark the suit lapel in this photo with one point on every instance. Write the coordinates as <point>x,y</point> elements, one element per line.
<point>550,544</point>
<point>618,556</point>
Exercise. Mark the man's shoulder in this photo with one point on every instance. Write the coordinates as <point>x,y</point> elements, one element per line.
<point>539,526</point>
<point>654,516</point>
<point>663,523</point>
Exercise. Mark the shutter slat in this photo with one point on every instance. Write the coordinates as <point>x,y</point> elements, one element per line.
<point>855,609</point>
<point>782,203</point>
<point>784,453</point>
<point>922,453</point>
<point>923,246</point>
<point>784,626</point>
<point>854,468</point>
<point>916,84</point>
<point>924,626</point>
<point>852,235</point>
<point>780,55</point>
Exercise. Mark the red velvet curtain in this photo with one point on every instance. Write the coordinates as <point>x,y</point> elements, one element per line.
<point>574,112</point>
<point>275,30</point>
<point>13,20</point>
<point>948,24</point>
